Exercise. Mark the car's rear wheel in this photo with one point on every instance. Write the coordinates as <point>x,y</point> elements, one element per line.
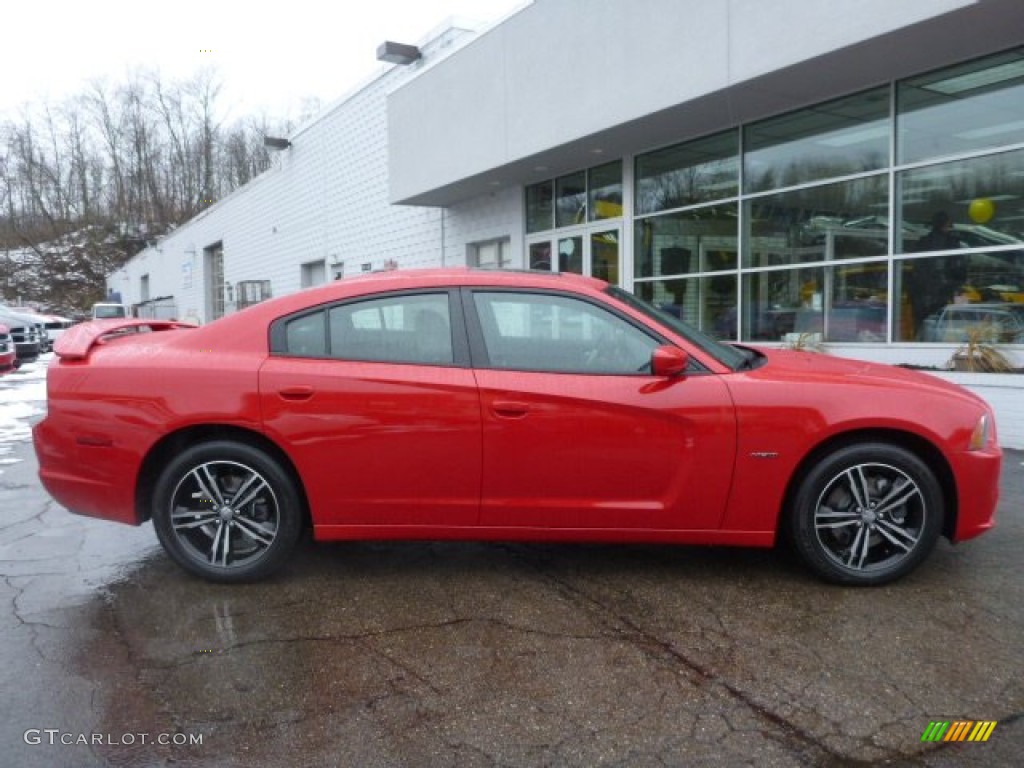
<point>227,512</point>
<point>867,514</point>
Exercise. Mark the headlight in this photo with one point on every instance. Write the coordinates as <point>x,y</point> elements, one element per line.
<point>982,433</point>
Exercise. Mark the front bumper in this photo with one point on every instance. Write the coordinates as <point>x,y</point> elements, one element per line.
<point>27,351</point>
<point>977,481</point>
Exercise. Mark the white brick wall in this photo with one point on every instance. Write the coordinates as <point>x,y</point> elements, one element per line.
<point>491,217</point>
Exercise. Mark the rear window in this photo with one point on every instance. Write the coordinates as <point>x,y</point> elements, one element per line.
<point>398,328</point>
<point>306,336</point>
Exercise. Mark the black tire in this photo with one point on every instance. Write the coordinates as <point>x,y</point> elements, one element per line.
<point>206,532</point>
<point>867,514</point>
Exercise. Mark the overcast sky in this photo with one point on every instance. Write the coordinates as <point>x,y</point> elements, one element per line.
<point>271,55</point>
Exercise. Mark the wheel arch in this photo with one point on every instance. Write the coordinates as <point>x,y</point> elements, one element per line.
<point>176,441</point>
<point>919,446</point>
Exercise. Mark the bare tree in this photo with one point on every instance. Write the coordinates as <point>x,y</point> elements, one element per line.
<point>85,184</point>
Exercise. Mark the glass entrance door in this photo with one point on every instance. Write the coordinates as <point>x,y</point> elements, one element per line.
<point>605,255</point>
<point>594,251</point>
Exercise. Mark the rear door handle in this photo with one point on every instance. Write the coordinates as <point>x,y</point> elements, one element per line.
<point>510,409</point>
<point>301,392</point>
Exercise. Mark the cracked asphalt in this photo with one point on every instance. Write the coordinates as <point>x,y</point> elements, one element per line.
<point>427,654</point>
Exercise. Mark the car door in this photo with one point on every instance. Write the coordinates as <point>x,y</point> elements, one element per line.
<point>377,407</point>
<point>577,433</point>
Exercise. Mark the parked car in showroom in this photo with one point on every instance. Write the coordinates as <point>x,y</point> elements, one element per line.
<point>992,322</point>
<point>8,357</point>
<point>25,335</point>
<point>486,405</point>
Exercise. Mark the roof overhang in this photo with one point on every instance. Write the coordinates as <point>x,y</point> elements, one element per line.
<point>450,141</point>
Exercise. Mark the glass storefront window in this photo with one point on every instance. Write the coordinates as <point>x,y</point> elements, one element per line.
<point>972,203</point>
<point>571,199</point>
<point>774,299</point>
<point>837,138</point>
<point>687,174</point>
<point>539,207</point>
<point>833,221</point>
<point>698,240</point>
<point>576,198</point>
<point>858,302</point>
<point>708,303</point>
<point>848,302</point>
<point>985,286</point>
<point>820,225</point>
<point>605,191</point>
<point>966,108</point>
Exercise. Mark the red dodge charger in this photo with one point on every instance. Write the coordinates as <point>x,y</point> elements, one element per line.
<point>473,404</point>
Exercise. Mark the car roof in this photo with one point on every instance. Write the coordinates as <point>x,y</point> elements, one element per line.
<point>410,279</point>
<point>17,316</point>
<point>248,326</point>
<point>472,275</point>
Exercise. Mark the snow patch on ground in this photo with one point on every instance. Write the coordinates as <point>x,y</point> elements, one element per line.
<point>22,401</point>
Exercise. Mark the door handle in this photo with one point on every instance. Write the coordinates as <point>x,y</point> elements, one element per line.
<point>510,409</point>
<point>301,392</point>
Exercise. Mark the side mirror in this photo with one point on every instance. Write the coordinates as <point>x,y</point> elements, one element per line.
<point>669,361</point>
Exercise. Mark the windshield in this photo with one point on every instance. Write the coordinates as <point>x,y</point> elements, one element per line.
<point>723,353</point>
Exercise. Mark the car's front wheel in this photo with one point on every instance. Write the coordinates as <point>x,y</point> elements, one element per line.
<point>227,512</point>
<point>867,514</point>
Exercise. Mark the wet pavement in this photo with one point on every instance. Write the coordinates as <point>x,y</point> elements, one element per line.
<point>421,654</point>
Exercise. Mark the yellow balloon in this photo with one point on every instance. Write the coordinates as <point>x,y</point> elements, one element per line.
<point>981,210</point>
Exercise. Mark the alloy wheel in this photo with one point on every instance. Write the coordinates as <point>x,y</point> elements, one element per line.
<point>224,514</point>
<point>869,517</point>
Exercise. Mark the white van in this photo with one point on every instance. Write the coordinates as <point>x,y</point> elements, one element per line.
<point>105,311</point>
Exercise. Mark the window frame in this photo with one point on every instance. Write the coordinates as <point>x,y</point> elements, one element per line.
<point>503,245</point>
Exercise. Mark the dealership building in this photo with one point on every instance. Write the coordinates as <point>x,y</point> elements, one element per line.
<point>770,171</point>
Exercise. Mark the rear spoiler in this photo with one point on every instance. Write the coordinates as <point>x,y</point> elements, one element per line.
<point>76,341</point>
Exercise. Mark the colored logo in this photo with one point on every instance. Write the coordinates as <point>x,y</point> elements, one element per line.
<point>959,730</point>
